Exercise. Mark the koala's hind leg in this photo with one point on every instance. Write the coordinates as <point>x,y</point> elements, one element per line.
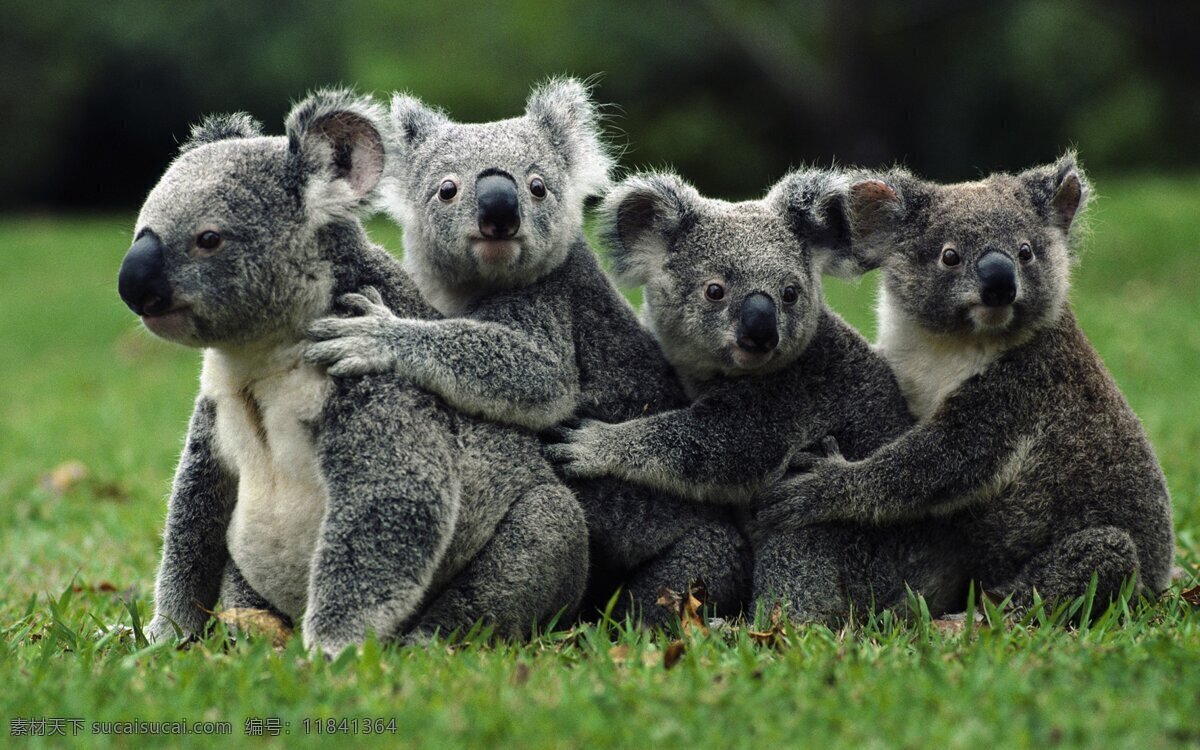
<point>1064,570</point>
<point>534,567</point>
<point>804,571</point>
<point>713,552</point>
<point>237,593</point>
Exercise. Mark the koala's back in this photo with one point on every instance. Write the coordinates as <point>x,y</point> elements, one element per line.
<point>622,371</point>
<point>1081,460</point>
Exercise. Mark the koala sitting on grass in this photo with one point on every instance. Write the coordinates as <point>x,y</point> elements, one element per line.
<point>1025,448</point>
<point>358,504</point>
<point>493,236</point>
<point>733,294</point>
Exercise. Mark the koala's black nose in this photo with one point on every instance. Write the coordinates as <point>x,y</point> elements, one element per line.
<point>997,279</point>
<point>499,211</point>
<point>143,281</point>
<point>758,326</point>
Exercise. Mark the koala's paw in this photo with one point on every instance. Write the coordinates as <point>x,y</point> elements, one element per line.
<point>326,644</point>
<point>162,629</point>
<point>353,346</point>
<point>790,504</point>
<point>577,447</point>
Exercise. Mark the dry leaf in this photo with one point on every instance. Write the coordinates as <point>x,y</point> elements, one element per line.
<point>257,623</point>
<point>775,635</point>
<point>64,477</point>
<point>689,607</point>
<point>619,654</point>
<point>674,652</point>
<point>521,675</point>
<point>1192,596</point>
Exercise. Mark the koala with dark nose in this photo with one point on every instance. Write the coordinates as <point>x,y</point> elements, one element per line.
<point>733,294</point>
<point>1025,448</point>
<point>493,235</point>
<point>357,504</point>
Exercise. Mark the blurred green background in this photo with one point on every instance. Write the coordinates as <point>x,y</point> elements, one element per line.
<point>97,95</point>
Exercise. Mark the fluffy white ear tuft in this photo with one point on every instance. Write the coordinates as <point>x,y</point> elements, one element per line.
<point>335,137</point>
<point>813,203</point>
<point>639,220</point>
<point>564,108</point>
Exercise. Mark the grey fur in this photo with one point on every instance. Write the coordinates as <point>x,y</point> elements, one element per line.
<point>1026,451</point>
<point>358,504</point>
<point>752,415</point>
<point>541,337</point>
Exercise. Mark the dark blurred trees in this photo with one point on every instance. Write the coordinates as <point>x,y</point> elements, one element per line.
<point>96,96</point>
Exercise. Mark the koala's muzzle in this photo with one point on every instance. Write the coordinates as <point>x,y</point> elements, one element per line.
<point>758,325</point>
<point>499,211</point>
<point>143,280</point>
<point>997,279</point>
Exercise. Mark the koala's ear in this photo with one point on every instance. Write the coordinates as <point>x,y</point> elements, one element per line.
<point>1059,191</point>
<point>412,123</point>
<point>814,205</point>
<point>335,136</point>
<point>876,208</point>
<point>563,107</point>
<point>221,127</point>
<point>639,219</point>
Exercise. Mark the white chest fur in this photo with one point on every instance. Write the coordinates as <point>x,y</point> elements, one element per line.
<point>267,402</point>
<point>928,367</point>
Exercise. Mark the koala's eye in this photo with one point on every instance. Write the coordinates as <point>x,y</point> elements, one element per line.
<point>1025,253</point>
<point>537,187</point>
<point>790,295</point>
<point>950,257</point>
<point>714,292</point>
<point>208,240</point>
<point>447,190</point>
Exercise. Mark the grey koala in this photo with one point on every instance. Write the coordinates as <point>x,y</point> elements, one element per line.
<point>733,294</point>
<point>359,504</point>
<point>493,235</point>
<point>1025,450</point>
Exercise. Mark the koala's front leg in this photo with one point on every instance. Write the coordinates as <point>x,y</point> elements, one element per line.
<point>704,452</point>
<point>194,547</point>
<point>393,501</point>
<point>519,371</point>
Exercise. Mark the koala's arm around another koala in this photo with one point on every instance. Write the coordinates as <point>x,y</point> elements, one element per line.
<point>943,464</point>
<point>719,449</point>
<point>194,548</point>
<point>512,362</point>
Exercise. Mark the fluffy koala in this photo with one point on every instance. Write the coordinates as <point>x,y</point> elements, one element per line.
<point>360,504</point>
<point>733,295</point>
<point>1025,449</point>
<point>492,216</point>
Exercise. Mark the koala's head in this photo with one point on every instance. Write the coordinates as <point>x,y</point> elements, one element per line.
<point>493,204</point>
<point>990,258</point>
<point>730,288</point>
<point>226,247</point>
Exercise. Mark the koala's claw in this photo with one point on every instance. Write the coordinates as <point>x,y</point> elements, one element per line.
<point>366,302</point>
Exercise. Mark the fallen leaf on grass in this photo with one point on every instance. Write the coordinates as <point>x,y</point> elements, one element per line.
<point>673,653</point>
<point>1191,596</point>
<point>257,623</point>
<point>688,607</point>
<point>521,674</point>
<point>619,654</point>
<point>775,635</point>
<point>104,587</point>
<point>64,477</point>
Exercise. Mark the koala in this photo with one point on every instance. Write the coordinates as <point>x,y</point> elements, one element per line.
<point>733,295</point>
<point>355,504</point>
<point>535,331</point>
<point>1025,450</point>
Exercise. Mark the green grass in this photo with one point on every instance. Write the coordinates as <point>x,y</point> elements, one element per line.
<point>79,381</point>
